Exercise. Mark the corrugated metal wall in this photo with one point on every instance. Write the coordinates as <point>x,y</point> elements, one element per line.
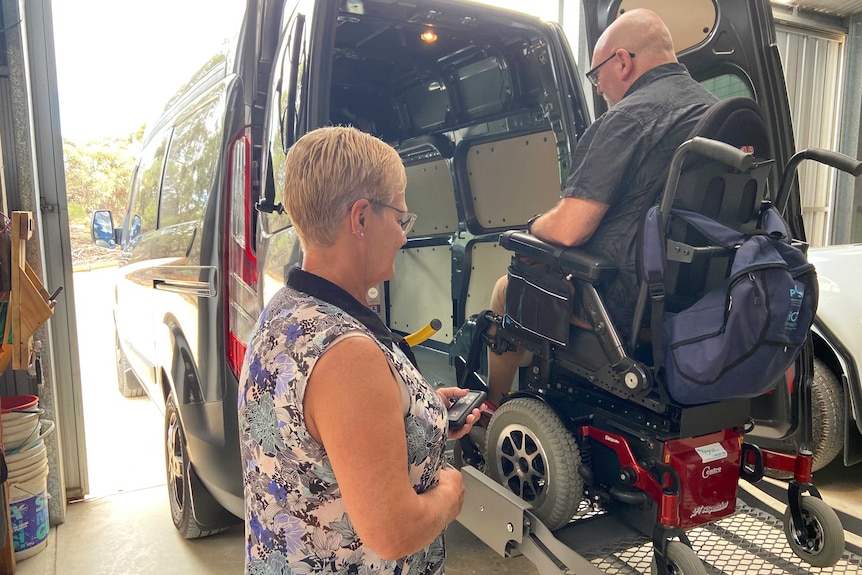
<point>813,68</point>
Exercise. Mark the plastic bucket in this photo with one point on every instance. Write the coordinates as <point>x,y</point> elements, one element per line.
<point>28,507</point>
<point>18,403</point>
<point>43,429</point>
<point>19,417</point>
<point>24,454</point>
<point>16,434</point>
<point>28,492</point>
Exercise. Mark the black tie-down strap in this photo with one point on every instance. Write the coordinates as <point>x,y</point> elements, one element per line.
<point>469,367</point>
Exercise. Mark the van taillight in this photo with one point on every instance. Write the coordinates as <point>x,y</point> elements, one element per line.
<point>241,277</point>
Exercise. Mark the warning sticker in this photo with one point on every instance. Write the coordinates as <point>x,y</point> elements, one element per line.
<point>711,452</point>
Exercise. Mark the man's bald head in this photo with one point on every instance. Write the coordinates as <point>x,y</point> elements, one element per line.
<point>640,32</point>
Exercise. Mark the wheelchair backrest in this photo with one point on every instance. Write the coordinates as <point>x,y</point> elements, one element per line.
<point>715,190</point>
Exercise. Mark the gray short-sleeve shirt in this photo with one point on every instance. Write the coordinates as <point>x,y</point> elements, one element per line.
<point>622,160</point>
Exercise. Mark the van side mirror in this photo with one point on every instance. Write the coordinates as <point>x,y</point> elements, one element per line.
<point>104,234</point>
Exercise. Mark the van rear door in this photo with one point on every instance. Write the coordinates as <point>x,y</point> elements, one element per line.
<point>497,83</point>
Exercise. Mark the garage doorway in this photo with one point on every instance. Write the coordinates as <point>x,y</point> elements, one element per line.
<point>124,435</point>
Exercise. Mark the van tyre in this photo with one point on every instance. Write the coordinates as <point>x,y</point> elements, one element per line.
<point>681,560</point>
<point>182,499</point>
<point>822,541</point>
<point>827,419</point>
<point>827,399</point>
<point>127,381</point>
<point>534,455</point>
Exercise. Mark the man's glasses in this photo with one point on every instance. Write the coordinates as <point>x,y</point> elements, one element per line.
<point>593,74</point>
<point>407,218</point>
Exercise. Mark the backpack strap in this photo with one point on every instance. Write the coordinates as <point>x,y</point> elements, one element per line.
<point>652,269</point>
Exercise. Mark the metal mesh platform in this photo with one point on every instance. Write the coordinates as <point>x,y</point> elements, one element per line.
<point>750,542</point>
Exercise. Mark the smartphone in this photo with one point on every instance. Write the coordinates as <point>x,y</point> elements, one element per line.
<point>459,410</point>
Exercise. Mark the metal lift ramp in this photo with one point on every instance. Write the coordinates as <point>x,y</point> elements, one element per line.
<point>749,542</point>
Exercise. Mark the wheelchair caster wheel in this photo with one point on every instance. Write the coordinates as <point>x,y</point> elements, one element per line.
<point>820,541</point>
<point>681,560</point>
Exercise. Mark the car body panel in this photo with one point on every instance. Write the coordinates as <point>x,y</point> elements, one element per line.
<point>839,318</point>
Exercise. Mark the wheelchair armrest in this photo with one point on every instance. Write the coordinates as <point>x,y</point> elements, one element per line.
<point>578,262</point>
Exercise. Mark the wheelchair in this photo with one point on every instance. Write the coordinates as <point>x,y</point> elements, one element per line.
<point>592,420</point>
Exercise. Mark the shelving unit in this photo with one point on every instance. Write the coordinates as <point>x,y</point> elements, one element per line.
<point>28,306</point>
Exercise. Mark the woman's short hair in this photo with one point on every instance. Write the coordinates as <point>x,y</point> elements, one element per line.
<point>328,170</point>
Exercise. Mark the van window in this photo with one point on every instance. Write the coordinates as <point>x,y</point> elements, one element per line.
<point>727,86</point>
<point>145,190</point>
<point>286,114</point>
<point>191,164</point>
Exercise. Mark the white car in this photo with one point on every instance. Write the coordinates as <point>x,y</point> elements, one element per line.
<point>836,391</point>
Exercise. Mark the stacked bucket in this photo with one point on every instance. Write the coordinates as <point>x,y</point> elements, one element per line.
<point>27,462</point>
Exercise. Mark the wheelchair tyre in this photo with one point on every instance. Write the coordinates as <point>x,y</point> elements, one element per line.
<point>681,560</point>
<point>822,543</point>
<point>533,454</point>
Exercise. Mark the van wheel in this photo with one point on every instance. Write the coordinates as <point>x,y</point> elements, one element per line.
<point>531,452</point>
<point>180,494</point>
<point>827,398</point>
<point>127,381</point>
<point>827,419</point>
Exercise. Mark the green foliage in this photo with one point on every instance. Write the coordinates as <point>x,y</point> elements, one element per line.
<point>98,177</point>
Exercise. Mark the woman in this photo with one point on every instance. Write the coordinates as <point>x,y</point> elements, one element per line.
<point>342,438</point>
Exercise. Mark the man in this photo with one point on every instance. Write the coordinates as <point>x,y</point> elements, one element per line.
<point>621,162</point>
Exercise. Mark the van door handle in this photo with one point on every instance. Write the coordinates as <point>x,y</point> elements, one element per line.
<point>188,280</point>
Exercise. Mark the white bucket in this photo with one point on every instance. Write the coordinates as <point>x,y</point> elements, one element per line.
<point>28,493</point>
<point>18,431</point>
<point>28,507</point>
<point>26,454</point>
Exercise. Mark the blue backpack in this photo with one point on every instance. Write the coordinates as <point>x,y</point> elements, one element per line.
<point>738,339</point>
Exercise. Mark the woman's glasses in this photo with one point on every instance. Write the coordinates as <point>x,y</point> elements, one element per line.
<point>407,218</point>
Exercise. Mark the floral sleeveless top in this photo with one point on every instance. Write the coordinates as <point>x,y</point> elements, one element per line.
<point>295,519</point>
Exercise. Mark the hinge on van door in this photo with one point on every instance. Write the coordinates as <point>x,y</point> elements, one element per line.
<point>45,207</point>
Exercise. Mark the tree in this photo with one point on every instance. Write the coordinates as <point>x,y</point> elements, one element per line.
<point>98,177</point>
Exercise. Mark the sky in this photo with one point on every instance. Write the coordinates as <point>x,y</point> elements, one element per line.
<point>119,61</point>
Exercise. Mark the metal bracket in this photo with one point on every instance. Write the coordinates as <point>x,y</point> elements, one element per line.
<point>505,524</point>
<point>494,514</point>
<point>47,208</point>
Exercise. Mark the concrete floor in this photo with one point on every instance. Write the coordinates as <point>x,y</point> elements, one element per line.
<point>124,526</point>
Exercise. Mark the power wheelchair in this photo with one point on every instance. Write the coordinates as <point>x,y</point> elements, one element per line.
<point>592,420</point>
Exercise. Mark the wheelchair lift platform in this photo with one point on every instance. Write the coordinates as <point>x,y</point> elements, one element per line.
<point>750,541</point>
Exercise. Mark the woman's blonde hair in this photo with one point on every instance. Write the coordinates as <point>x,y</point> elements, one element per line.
<point>328,170</point>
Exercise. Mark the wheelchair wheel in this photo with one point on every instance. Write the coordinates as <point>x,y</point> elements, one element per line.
<point>681,560</point>
<point>821,542</point>
<point>531,452</point>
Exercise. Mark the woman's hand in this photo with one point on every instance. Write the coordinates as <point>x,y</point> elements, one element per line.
<point>449,395</point>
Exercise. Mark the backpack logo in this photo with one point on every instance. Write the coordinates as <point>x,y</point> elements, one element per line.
<point>796,295</point>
